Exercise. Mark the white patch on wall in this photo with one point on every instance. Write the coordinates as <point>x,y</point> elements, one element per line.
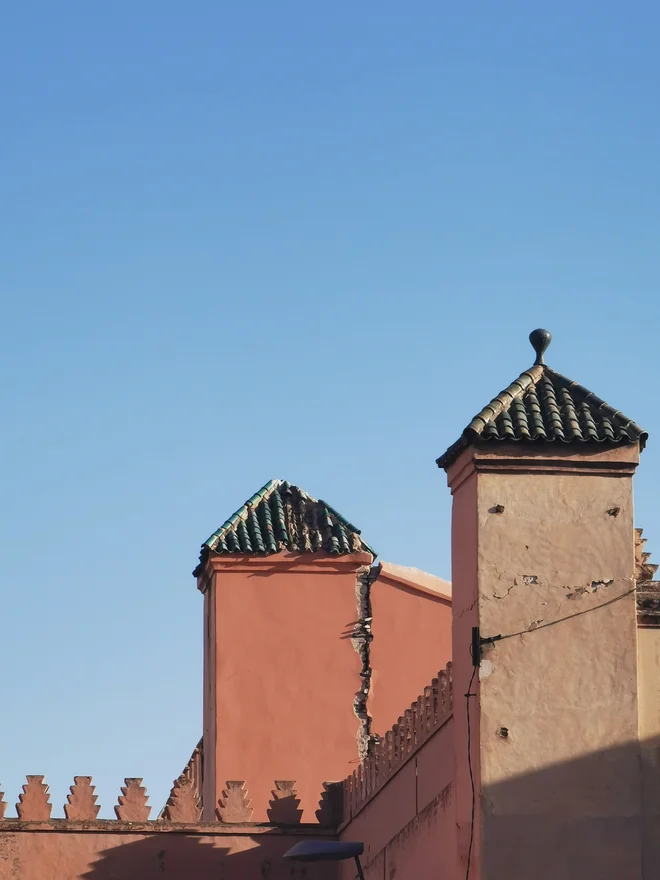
<point>485,669</point>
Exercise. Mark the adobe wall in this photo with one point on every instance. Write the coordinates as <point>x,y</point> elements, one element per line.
<point>408,827</point>
<point>209,719</point>
<point>283,671</point>
<point>400,802</point>
<point>464,567</point>
<point>108,850</point>
<point>648,648</point>
<point>411,631</point>
<point>559,760</point>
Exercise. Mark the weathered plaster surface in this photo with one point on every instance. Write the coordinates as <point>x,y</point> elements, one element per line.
<point>465,604</point>
<point>648,641</point>
<point>558,707</point>
<point>555,556</point>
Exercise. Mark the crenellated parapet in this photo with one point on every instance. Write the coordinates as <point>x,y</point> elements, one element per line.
<point>388,754</point>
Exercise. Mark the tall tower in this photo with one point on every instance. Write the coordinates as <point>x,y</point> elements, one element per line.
<point>543,582</point>
<point>285,583</point>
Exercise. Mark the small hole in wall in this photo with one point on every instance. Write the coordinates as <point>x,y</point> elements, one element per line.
<point>613,511</point>
<point>504,732</point>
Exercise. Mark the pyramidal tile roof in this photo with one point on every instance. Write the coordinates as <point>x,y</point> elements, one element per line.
<point>543,406</point>
<point>283,517</point>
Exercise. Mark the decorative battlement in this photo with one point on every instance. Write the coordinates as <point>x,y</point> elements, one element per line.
<point>185,799</point>
<point>183,804</point>
<point>648,589</point>
<point>132,806</point>
<point>182,808</point>
<point>430,712</point>
<point>338,801</point>
<point>33,801</point>
<point>234,806</point>
<point>81,804</point>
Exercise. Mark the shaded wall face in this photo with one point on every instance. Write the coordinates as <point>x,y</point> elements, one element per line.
<point>592,846</point>
<point>465,606</point>
<point>53,854</point>
<point>648,642</point>
<point>286,675</point>
<point>557,564</point>
<point>411,641</point>
<point>409,826</point>
<point>209,720</point>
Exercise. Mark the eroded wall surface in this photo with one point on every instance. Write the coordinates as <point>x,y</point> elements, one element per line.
<point>559,757</point>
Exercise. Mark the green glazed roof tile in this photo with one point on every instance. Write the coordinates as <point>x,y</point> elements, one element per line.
<point>541,405</point>
<point>283,517</point>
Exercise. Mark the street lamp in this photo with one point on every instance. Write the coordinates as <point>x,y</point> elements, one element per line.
<point>326,851</point>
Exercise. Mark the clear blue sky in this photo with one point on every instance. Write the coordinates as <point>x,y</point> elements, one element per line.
<point>298,240</point>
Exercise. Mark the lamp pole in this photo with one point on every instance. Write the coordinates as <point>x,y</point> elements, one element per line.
<point>359,867</point>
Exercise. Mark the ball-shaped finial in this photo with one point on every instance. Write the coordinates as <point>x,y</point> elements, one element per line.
<point>540,340</point>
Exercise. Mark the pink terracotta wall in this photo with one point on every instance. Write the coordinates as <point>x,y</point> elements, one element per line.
<point>209,698</point>
<point>116,851</point>
<point>283,676</point>
<point>411,640</point>
<point>408,826</point>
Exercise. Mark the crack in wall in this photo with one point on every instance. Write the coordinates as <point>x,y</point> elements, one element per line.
<point>361,640</point>
<point>469,608</point>
<point>573,590</point>
<point>497,596</point>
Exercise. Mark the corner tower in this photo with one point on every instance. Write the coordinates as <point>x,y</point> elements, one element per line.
<point>286,634</point>
<point>543,577</point>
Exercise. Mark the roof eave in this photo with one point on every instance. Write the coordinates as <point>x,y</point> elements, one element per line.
<point>454,451</point>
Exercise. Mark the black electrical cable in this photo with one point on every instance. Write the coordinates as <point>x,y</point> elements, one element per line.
<point>490,641</point>
<point>525,632</point>
<point>469,748</point>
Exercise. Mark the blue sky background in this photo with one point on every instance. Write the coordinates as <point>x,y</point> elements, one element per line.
<point>299,240</point>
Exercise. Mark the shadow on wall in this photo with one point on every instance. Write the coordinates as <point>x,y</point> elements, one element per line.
<point>592,818</point>
<point>179,856</point>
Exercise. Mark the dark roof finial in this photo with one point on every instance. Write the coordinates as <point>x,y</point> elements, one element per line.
<point>544,407</point>
<point>540,340</point>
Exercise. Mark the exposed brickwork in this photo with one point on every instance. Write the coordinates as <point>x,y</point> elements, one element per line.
<point>390,753</point>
